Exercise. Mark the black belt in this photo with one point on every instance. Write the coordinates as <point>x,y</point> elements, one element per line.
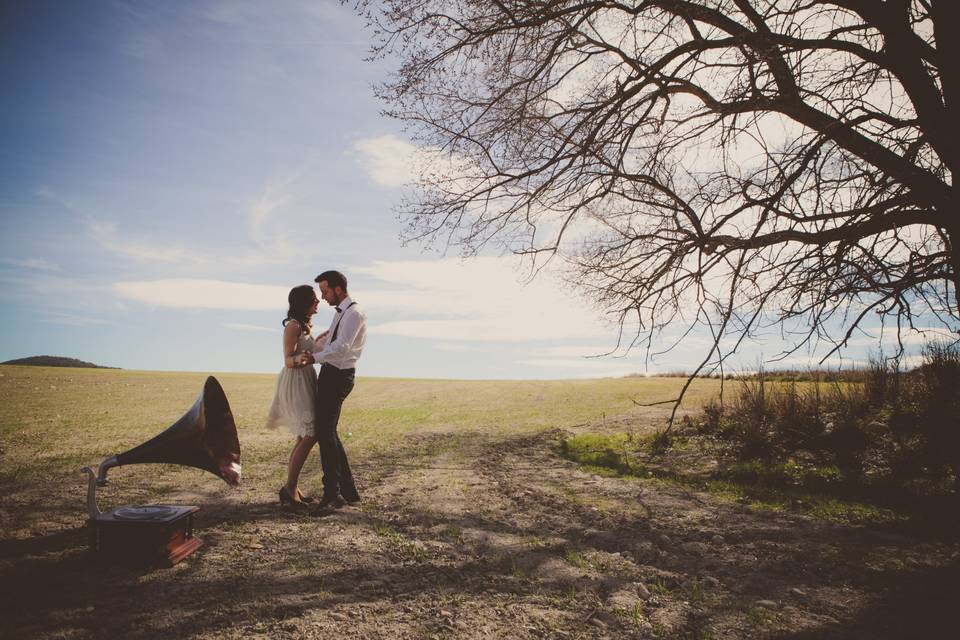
<point>327,364</point>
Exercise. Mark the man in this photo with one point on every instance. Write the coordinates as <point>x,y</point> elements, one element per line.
<point>338,350</point>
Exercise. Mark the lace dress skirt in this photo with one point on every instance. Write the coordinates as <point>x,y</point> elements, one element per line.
<point>294,401</point>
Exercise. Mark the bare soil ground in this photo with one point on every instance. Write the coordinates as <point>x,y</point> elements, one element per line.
<point>472,535</point>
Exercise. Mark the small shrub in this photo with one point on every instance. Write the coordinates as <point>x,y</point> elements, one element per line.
<point>941,407</point>
<point>882,382</point>
<point>711,419</point>
<point>660,442</point>
<point>895,430</point>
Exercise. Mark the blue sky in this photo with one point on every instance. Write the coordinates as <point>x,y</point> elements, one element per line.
<point>170,169</point>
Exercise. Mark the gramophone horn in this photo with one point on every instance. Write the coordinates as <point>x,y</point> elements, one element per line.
<point>205,438</point>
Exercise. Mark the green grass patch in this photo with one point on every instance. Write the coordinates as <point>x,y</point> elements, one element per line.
<point>576,558</point>
<point>695,592</point>
<point>790,486</point>
<point>791,472</point>
<point>659,587</point>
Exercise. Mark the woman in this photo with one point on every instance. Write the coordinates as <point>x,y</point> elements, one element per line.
<point>294,400</point>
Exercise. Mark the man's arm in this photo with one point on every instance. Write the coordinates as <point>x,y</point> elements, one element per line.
<point>346,333</point>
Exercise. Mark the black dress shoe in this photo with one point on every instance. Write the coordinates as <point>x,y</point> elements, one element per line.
<point>352,500</point>
<point>331,503</point>
<point>326,507</point>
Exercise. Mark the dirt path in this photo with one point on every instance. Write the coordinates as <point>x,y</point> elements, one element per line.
<point>468,536</point>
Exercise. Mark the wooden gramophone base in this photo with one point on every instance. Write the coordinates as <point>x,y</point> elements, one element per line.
<point>145,534</point>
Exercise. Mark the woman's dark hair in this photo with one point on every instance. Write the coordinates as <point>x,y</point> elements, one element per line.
<point>301,299</point>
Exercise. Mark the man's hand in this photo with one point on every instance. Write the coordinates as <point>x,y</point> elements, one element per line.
<point>321,340</point>
<point>306,358</point>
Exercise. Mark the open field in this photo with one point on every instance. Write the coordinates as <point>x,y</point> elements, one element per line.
<point>472,525</point>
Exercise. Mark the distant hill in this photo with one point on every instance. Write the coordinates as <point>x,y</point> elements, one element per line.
<point>55,361</point>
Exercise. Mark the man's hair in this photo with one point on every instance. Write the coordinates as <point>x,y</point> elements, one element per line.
<point>334,279</point>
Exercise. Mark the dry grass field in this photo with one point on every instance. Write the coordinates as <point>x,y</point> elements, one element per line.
<point>471,526</point>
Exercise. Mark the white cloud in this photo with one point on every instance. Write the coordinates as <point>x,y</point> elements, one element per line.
<point>887,338</point>
<point>33,263</point>
<point>278,196</point>
<point>456,347</point>
<point>388,160</point>
<point>475,300</point>
<point>575,351</point>
<point>73,320</point>
<point>105,234</point>
<point>48,193</point>
<point>224,12</point>
<point>583,360</point>
<point>55,290</point>
<point>265,215</point>
<point>800,363</point>
<point>270,248</point>
<point>803,364</point>
<point>489,329</point>
<point>591,368</point>
<point>239,326</point>
<point>273,197</point>
<point>186,293</point>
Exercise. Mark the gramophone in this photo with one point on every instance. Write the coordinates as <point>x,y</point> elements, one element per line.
<point>205,438</point>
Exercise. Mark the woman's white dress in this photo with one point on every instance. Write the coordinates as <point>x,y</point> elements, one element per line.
<point>295,398</point>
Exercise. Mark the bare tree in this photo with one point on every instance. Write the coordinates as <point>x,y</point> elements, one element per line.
<point>737,164</point>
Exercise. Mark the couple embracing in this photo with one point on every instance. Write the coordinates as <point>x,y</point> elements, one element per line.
<point>310,406</point>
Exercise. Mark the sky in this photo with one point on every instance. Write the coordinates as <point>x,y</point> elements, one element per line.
<point>170,170</point>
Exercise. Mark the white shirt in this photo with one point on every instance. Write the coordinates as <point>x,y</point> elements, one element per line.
<point>351,327</point>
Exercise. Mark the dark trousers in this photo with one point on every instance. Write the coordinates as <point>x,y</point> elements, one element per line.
<point>333,387</point>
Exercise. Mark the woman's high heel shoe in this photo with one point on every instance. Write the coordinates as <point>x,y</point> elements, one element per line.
<point>304,498</point>
<point>287,500</point>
